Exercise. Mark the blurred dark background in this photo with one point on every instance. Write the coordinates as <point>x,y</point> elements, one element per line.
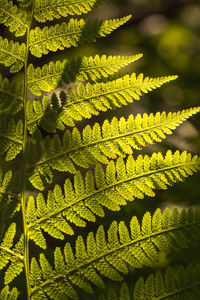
<point>168,35</point>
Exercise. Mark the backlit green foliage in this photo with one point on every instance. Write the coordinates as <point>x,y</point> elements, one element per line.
<point>90,68</point>
<point>5,294</point>
<point>39,141</point>
<point>99,256</point>
<point>12,54</point>
<point>66,35</point>
<point>46,10</point>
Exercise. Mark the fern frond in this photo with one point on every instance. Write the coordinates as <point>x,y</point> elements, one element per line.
<point>177,283</point>
<point>5,184</point>
<point>45,114</point>
<point>12,54</point>
<point>42,41</point>
<point>56,227</point>
<point>13,17</point>
<point>46,10</point>
<point>6,294</point>
<point>89,197</point>
<point>88,100</point>
<point>11,135</point>
<point>100,256</point>
<point>115,138</point>
<point>90,68</point>
<point>10,97</point>
<point>11,254</point>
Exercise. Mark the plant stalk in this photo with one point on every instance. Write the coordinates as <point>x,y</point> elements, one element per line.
<point>24,165</point>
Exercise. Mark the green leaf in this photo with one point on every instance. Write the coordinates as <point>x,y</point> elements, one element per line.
<point>89,100</point>
<point>11,135</point>
<point>99,145</point>
<point>12,255</point>
<point>66,35</point>
<point>12,54</point>
<point>14,18</point>
<point>111,262</point>
<point>90,68</point>
<point>6,294</point>
<point>11,100</point>
<point>61,8</point>
<point>78,205</point>
<point>184,284</point>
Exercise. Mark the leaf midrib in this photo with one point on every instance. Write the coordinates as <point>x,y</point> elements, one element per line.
<point>10,138</point>
<point>176,291</point>
<point>113,138</point>
<point>110,251</point>
<point>82,69</point>
<point>103,94</point>
<point>54,213</point>
<point>102,27</point>
<point>12,16</point>
<point>12,253</point>
<point>11,54</point>
<point>61,5</point>
<point>11,94</point>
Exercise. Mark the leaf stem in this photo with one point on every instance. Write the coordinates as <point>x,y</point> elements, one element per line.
<point>93,194</point>
<point>24,164</point>
<point>110,251</point>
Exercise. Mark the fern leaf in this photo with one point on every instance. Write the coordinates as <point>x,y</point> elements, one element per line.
<point>89,100</point>
<point>12,54</point>
<point>13,17</point>
<point>5,184</point>
<point>175,283</point>
<point>12,255</point>
<point>16,262</point>
<point>89,197</point>
<point>93,68</point>
<point>42,41</point>
<point>90,68</point>
<point>10,97</point>
<point>170,285</point>
<point>6,294</point>
<point>61,8</point>
<point>91,262</point>
<point>115,138</point>
<point>11,135</point>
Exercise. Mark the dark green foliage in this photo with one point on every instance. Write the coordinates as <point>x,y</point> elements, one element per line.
<point>177,283</point>
<point>10,255</point>
<point>101,169</point>
<point>109,256</point>
<point>10,97</point>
